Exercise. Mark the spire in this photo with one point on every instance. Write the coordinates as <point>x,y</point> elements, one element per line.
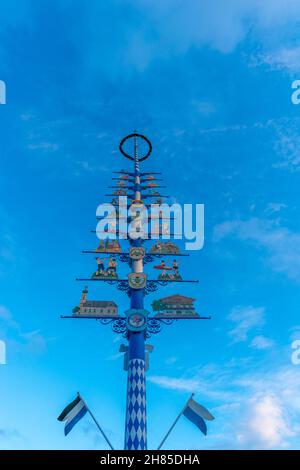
<point>136,152</point>
<point>84,296</point>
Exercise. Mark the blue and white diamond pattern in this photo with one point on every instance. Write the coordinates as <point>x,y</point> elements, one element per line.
<point>136,425</point>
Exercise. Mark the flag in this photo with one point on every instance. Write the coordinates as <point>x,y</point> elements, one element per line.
<point>197,414</point>
<point>73,413</point>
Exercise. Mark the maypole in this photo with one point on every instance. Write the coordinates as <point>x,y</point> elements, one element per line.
<point>136,412</point>
<point>136,324</point>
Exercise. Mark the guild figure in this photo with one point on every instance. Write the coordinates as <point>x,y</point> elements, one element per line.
<point>101,246</point>
<point>100,269</point>
<point>175,267</point>
<point>112,267</point>
<point>164,268</point>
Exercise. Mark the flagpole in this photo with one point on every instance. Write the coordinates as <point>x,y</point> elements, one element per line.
<point>174,424</point>
<point>97,424</point>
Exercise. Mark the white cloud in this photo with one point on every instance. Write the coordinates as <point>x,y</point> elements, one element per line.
<point>114,357</point>
<point>223,25</point>
<point>116,339</point>
<point>6,319</point>
<point>200,382</point>
<point>35,341</point>
<point>164,29</point>
<point>44,146</point>
<point>5,313</point>
<point>282,381</point>
<point>287,146</point>
<point>282,245</point>
<point>26,116</point>
<point>275,207</point>
<point>7,434</point>
<point>245,320</point>
<point>171,360</point>
<point>283,59</point>
<point>295,333</point>
<point>7,244</point>
<point>17,340</point>
<point>182,384</point>
<point>204,108</point>
<point>266,425</point>
<point>261,342</point>
<point>259,409</point>
<point>85,165</point>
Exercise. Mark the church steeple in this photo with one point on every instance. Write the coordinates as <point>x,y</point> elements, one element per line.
<point>84,296</point>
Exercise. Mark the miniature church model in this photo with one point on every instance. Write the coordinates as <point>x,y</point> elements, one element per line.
<point>95,307</point>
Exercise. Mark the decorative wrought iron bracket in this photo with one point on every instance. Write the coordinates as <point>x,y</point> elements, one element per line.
<point>124,257</point>
<point>154,325</point>
<point>123,285</point>
<point>118,324</point>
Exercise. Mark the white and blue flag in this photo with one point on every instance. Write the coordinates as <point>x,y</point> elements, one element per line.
<point>73,413</point>
<point>197,414</point>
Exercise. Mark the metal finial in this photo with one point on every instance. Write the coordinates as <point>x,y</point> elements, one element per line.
<point>135,146</point>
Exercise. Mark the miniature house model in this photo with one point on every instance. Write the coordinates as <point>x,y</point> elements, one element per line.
<point>175,305</point>
<point>165,248</point>
<point>95,308</point>
<point>110,246</point>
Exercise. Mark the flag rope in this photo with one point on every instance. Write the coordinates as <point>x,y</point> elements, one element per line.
<point>97,424</point>
<point>174,424</point>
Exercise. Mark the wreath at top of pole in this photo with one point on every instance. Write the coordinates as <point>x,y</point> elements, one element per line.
<point>135,136</point>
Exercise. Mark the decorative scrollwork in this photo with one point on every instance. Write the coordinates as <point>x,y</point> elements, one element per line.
<point>162,282</point>
<point>151,287</point>
<point>168,321</point>
<point>153,327</point>
<point>119,326</point>
<point>105,321</point>
<point>132,240</point>
<point>123,286</point>
<point>110,281</point>
<point>148,258</point>
<point>125,258</point>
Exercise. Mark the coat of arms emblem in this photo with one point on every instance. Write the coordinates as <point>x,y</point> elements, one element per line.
<point>137,253</point>
<point>137,280</point>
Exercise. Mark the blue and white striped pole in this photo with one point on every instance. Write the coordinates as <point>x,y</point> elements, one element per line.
<point>136,417</point>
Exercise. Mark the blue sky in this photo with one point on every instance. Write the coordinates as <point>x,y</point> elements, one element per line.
<point>210,85</point>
